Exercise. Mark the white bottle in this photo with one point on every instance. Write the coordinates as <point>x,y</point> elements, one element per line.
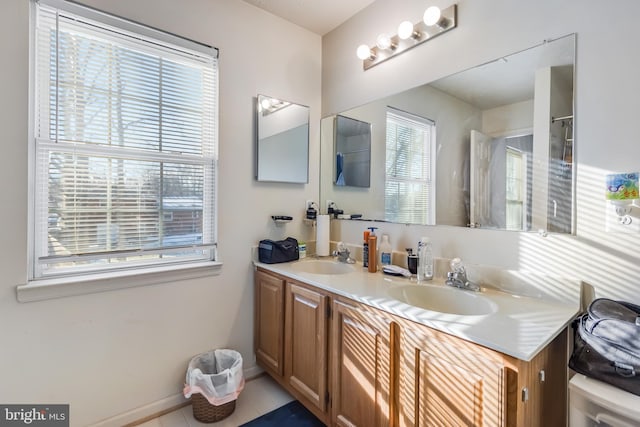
<point>425,260</point>
<point>385,251</point>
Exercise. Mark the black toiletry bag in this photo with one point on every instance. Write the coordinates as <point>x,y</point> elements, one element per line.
<point>275,251</point>
<point>607,344</point>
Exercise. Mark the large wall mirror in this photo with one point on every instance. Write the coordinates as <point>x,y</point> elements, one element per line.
<point>282,148</point>
<point>489,147</point>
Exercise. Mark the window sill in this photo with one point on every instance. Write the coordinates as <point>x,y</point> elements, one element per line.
<point>38,290</point>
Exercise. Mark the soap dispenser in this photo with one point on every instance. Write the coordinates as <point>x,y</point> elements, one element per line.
<point>312,211</point>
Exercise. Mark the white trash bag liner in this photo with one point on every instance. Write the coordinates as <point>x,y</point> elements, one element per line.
<point>217,375</point>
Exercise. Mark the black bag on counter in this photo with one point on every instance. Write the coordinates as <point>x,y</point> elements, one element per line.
<point>275,251</point>
<point>607,344</point>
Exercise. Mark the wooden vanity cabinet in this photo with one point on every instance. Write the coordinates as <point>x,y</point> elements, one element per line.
<point>543,386</point>
<point>354,365</point>
<point>446,381</point>
<point>361,380</point>
<point>268,333</point>
<point>305,343</point>
<point>290,338</point>
<point>296,324</point>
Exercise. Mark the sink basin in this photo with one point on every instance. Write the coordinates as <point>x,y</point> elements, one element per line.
<point>444,300</point>
<point>322,267</point>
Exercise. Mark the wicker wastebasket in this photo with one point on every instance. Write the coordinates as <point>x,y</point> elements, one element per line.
<point>213,382</point>
<point>205,412</point>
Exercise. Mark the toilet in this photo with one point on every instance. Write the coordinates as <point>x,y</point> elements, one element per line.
<point>593,403</point>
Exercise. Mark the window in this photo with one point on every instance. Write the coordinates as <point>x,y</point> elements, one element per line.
<point>516,188</point>
<point>125,145</point>
<point>409,185</point>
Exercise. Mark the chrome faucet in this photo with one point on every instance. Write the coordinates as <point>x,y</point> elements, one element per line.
<point>457,277</point>
<point>343,254</point>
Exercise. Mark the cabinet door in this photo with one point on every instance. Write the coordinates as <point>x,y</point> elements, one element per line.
<point>306,344</point>
<point>269,322</point>
<point>445,385</point>
<point>360,368</point>
<point>547,386</point>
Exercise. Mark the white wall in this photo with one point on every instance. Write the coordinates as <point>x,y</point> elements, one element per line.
<point>508,120</point>
<point>607,103</point>
<point>109,353</point>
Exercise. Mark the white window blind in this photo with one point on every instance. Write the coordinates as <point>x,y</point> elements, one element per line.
<point>409,186</point>
<point>125,146</point>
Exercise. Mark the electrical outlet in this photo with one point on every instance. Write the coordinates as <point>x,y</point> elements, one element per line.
<point>622,218</point>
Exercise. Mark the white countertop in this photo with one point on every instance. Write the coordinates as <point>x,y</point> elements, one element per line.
<point>521,326</point>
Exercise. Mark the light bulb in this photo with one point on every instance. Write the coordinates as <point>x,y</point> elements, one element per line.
<point>405,30</point>
<point>383,41</point>
<point>431,16</point>
<point>363,52</point>
<point>266,103</point>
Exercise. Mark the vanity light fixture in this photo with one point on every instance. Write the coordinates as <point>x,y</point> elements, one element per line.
<point>433,16</point>
<point>383,41</point>
<point>364,52</point>
<point>271,105</point>
<point>434,23</point>
<point>405,30</point>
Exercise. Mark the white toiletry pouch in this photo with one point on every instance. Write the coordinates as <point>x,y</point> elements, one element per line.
<point>217,375</point>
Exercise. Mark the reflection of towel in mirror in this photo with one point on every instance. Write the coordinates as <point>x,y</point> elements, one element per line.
<point>339,171</point>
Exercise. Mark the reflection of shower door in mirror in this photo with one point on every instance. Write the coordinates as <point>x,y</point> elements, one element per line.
<point>479,184</point>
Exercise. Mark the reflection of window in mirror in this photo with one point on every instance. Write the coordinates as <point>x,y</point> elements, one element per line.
<point>515,189</point>
<point>409,195</point>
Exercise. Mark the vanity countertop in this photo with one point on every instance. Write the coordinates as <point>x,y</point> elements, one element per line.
<point>521,325</point>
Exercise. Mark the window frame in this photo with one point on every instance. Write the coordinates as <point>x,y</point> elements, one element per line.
<point>44,287</point>
<point>515,158</point>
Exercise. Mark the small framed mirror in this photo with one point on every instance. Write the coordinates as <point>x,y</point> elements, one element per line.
<point>282,148</point>
<point>352,152</point>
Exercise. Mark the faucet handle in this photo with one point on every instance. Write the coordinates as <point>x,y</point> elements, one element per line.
<point>456,265</point>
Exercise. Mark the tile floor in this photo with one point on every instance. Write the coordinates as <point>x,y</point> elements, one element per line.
<point>260,395</point>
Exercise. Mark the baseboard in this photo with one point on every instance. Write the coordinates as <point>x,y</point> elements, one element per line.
<point>155,409</point>
<point>144,413</point>
<point>253,372</point>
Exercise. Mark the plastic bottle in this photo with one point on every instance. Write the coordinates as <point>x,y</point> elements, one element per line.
<point>373,250</point>
<point>425,260</point>
<point>302,250</point>
<point>365,249</point>
<point>385,251</point>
